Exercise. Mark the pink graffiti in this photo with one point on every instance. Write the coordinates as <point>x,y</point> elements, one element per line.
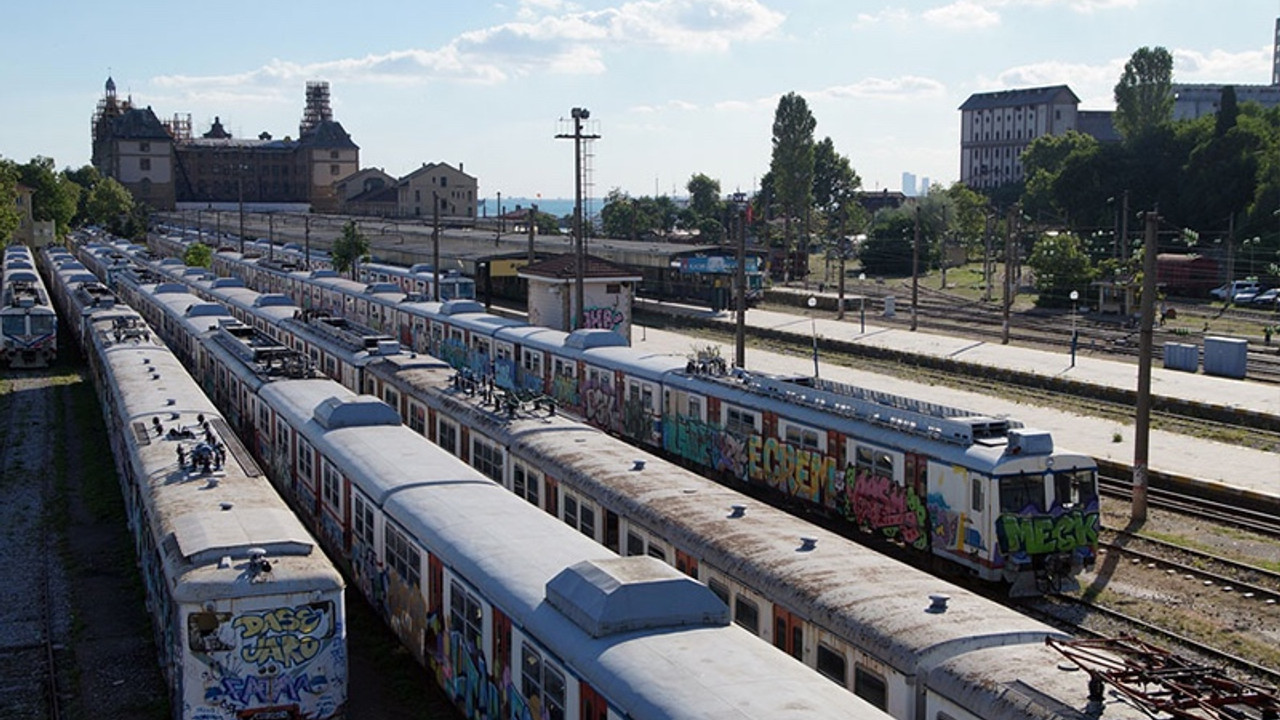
<point>606,318</point>
<point>882,504</point>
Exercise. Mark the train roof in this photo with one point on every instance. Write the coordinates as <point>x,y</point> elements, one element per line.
<point>857,591</point>
<point>207,525</point>
<point>635,362</point>
<point>535,568</point>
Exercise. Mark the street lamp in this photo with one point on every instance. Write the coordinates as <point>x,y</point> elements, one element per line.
<point>1074,338</point>
<point>812,302</point>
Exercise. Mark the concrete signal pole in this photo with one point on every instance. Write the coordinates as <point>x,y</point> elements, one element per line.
<point>1142,420</point>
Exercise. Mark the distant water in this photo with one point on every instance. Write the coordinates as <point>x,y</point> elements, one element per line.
<point>558,207</point>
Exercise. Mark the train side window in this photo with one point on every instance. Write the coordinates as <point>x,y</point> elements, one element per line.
<point>362,519</point>
<point>526,482</point>
<point>695,407</point>
<point>331,486</point>
<point>402,556</point>
<point>417,418</point>
<point>487,458</point>
<point>746,614</point>
<point>720,590</point>
<point>657,551</point>
<point>870,687</point>
<point>579,515</point>
<point>832,664</point>
<point>391,397</point>
<point>804,437</point>
<point>447,436</point>
<point>466,614</point>
<point>978,500</point>
<point>565,368</point>
<point>741,422</point>
<point>635,544</point>
<point>539,679</point>
<point>532,360</point>
<point>305,454</point>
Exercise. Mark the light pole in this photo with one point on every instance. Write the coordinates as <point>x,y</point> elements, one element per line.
<point>578,114</point>
<point>740,281</point>
<point>862,304</point>
<point>812,302</point>
<point>1075,295</point>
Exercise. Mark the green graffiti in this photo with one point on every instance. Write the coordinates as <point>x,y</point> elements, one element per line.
<point>1040,534</point>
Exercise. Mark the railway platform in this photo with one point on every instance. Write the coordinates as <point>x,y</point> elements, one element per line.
<point>1219,466</point>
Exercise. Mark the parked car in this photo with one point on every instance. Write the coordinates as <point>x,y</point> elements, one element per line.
<point>1267,298</point>
<point>1235,289</point>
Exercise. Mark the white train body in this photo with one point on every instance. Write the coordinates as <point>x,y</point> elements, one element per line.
<point>249,614</point>
<point>28,323</point>
<point>856,617</point>
<point>516,614</point>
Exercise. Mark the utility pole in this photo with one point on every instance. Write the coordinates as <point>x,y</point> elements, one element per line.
<point>533,231</point>
<point>1007,301</point>
<point>740,280</point>
<point>915,269</point>
<point>578,114</point>
<point>500,213</point>
<point>1142,420</point>
<point>435,246</point>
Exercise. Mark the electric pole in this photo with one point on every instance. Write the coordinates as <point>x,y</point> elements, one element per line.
<point>435,246</point>
<point>1142,420</point>
<point>578,114</point>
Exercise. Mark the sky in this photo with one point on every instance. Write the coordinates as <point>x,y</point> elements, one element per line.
<point>673,87</point>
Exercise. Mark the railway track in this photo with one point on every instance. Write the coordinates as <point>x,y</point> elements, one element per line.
<point>1248,581</point>
<point>1237,515</point>
<point>30,628</point>
<point>1085,618</point>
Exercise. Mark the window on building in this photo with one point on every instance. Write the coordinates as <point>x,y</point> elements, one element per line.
<point>335,169</point>
<point>333,154</point>
<point>144,146</point>
<point>402,556</point>
<point>144,164</point>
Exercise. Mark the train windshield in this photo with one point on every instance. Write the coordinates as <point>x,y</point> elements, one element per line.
<point>1075,488</point>
<point>15,325</point>
<point>1022,493</point>
<point>43,324</point>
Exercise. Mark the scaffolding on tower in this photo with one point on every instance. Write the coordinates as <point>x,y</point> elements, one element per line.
<point>317,109</point>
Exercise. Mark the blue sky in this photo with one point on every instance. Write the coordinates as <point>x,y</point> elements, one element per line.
<point>674,87</point>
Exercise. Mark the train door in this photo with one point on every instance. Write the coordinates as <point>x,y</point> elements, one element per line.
<point>687,564</point>
<point>788,632</point>
<point>591,704</point>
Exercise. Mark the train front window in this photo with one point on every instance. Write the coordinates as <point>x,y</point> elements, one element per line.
<point>43,324</point>
<point>15,325</point>
<point>1017,494</point>
<point>1074,488</point>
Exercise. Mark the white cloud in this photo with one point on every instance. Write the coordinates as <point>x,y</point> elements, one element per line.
<point>1093,84</point>
<point>1252,66</point>
<point>906,86</point>
<point>962,15</point>
<point>551,36</point>
<point>888,15</point>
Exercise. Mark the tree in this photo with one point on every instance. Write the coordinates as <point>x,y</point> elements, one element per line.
<point>9,217</point>
<point>791,165</point>
<point>53,196</point>
<point>1144,97</point>
<point>969,210</point>
<point>87,177</point>
<point>349,249</point>
<point>704,197</point>
<point>110,205</point>
<point>1060,266</point>
<point>835,186</point>
<point>887,249</point>
<point>198,255</point>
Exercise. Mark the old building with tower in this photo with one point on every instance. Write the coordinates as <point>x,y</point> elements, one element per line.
<point>163,163</point>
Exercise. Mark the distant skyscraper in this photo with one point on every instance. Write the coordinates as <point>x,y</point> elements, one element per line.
<point>908,184</point>
<point>924,185</point>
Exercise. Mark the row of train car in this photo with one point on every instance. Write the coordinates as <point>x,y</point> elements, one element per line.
<point>28,323</point>
<point>960,487</point>
<point>516,614</point>
<point>864,621</point>
<point>248,611</point>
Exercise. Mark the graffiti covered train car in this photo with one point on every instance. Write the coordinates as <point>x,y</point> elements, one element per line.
<point>979,491</point>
